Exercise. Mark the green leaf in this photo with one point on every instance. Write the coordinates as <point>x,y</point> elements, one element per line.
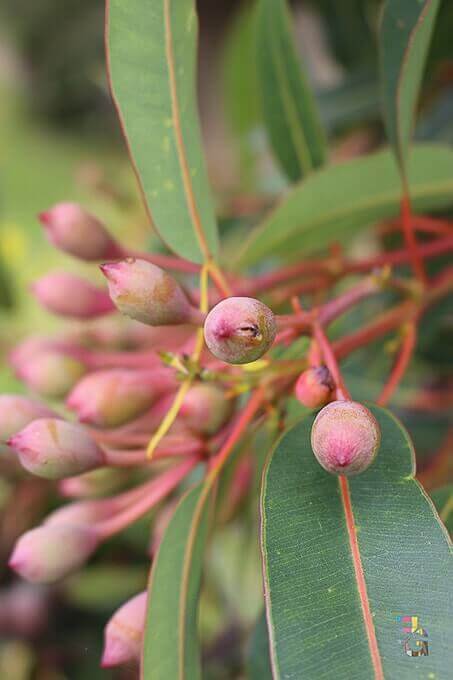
<point>337,201</point>
<point>404,38</point>
<point>443,500</point>
<point>171,648</point>
<point>152,63</point>
<point>321,536</point>
<point>258,661</point>
<point>289,108</point>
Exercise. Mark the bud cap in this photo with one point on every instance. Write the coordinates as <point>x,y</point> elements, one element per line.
<point>124,633</point>
<point>239,330</point>
<point>345,437</point>
<point>314,387</point>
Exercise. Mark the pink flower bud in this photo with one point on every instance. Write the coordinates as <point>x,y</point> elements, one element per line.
<point>51,373</point>
<point>72,229</point>
<point>148,294</point>
<point>23,610</point>
<point>113,397</point>
<point>239,330</point>
<point>71,296</point>
<point>124,633</point>
<point>92,484</point>
<point>314,387</point>
<point>345,437</point>
<point>205,408</point>
<point>51,552</point>
<point>16,412</point>
<point>55,449</point>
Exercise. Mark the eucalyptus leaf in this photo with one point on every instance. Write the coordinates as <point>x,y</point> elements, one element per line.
<point>151,50</point>
<point>404,37</point>
<point>344,560</point>
<point>335,202</point>
<point>171,648</point>
<point>289,107</point>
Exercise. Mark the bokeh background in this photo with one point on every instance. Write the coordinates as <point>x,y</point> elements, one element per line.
<point>59,140</point>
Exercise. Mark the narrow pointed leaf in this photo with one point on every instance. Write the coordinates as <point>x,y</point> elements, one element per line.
<point>151,55</point>
<point>342,561</point>
<point>337,201</point>
<point>404,37</point>
<point>171,648</point>
<point>289,108</point>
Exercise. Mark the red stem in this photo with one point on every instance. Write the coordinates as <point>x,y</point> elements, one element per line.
<point>409,236</point>
<point>160,488</point>
<point>401,364</point>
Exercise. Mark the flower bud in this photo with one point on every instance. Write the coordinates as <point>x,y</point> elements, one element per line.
<point>23,610</point>
<point>148,294</point>
<point>239,330</point>
<point>55,449</point>
<point>51,373</point>
<point>205,408</point>
<point>71,296</point>
<point>72,229</point>
<point>94,484</point>
<point>50,552</point>
<point>314,387</point>
<point>124,633</point>
<point>16,412</point>
<point>345,437</point>
<point>113,397</point>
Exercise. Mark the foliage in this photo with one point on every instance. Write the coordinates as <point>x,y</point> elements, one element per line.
<point>346,243</point>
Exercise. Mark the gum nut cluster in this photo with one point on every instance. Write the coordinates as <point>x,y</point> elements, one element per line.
<point>239,330</point>
<point>117,376</point>
<point>345,437</point>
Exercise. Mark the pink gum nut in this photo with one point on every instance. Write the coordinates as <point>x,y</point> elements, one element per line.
<point>55,449</point>
<point>51,552</point>
<point>16,412</point>
<point>72,229</point>
<point>51,373</point>
<point>113,397</point>
<point>205,408</point>
<point>124,633</point>
<point>345,437</point>
<point>239,330</point>
<point>314,387</point>
<point>71,296</point>
<point>148,294</point>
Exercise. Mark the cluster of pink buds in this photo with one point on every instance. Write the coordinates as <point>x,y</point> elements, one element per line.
<point>156,390</point>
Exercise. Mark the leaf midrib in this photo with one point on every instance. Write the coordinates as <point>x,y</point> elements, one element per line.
<point>179,139</point>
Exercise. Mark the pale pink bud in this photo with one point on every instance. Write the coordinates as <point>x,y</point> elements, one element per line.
<point>23,610</point>
<point>239,330</point>
<point>72,229</point>
<point>345,437</point>
<point>51,373</point>
<point>51,552</point>
<point>112,397</point>
<point>205,408</point>
<point>124,633</point>
<point>314,387</point>
<point>55,449</point>
<point>148,294</point>
<point>71,296</point>
<point>81,513</point>
<point>34,345</point>
<point>16,412</point>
